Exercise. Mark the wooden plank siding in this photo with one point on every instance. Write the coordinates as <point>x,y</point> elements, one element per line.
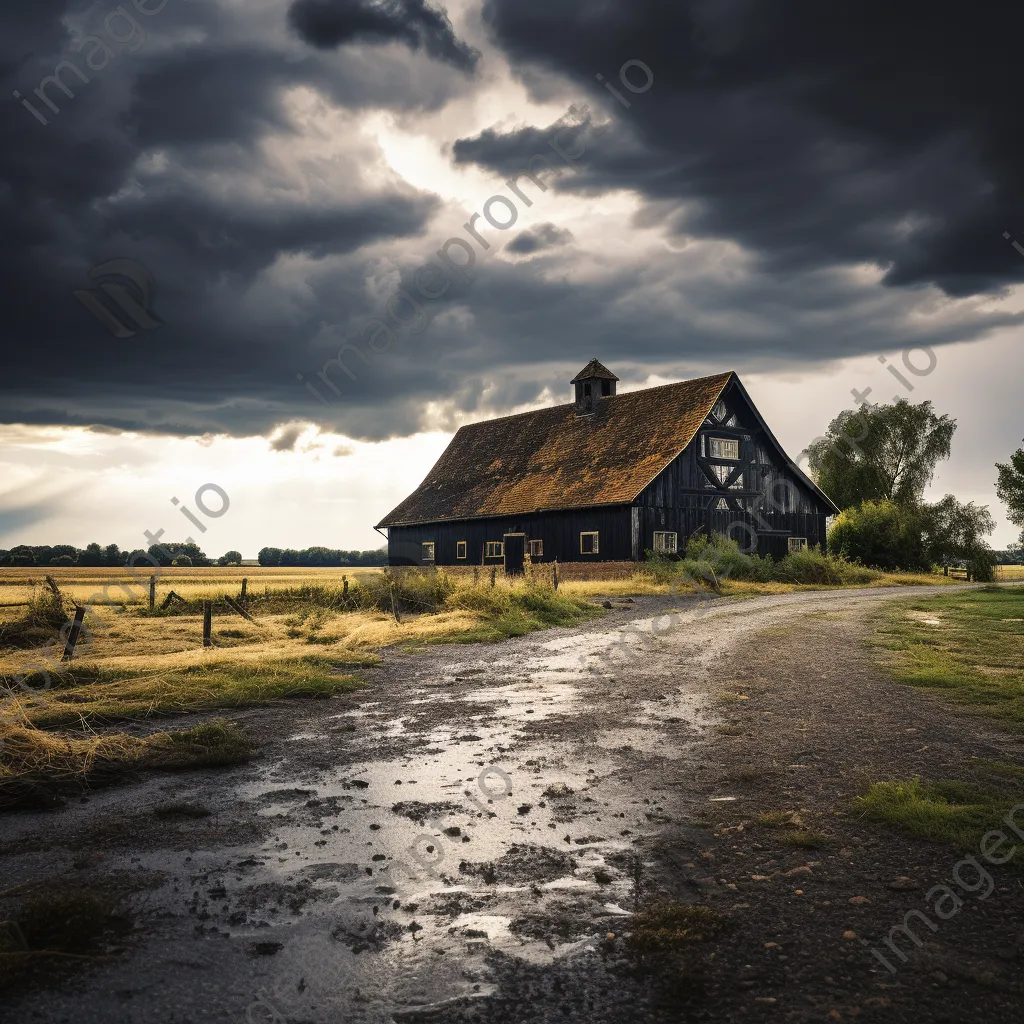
<point>560,532</point>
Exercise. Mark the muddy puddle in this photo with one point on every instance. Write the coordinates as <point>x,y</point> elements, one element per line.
<point>494,808</point>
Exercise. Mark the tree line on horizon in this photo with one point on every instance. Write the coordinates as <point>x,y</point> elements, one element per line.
<point>179,553</point>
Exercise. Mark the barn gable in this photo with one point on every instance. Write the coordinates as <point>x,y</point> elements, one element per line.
<point>572,456</point>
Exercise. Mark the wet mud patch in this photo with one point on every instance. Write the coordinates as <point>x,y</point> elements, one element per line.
<point>367,934</point>
<point>522,864</point>
<point>561,922</point>
<point>213,902</point>
<point>419,812</point>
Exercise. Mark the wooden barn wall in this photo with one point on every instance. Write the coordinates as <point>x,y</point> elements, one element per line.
<point>678,499</point>
<point>560,532</point>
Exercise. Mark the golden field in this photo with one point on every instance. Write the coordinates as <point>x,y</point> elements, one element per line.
<point>81,584</point>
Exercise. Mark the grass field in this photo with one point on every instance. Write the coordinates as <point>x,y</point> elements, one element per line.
<point>968,645</point>
<point>118,586</point>
<point>968,648</point>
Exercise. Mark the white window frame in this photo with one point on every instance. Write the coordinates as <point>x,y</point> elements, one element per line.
<point>724,447</point>
<point>589,533</point>
<point>535,549</point>
<point>666,542</point>
<point>427,555</point>
<point>494,549</point>
<point>460,549</point>
<point>796,544</point>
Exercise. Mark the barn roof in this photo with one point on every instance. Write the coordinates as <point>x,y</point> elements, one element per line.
<point>552,458</point>
<point>593,369</point>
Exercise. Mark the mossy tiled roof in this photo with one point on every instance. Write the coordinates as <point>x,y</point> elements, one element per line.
<point>554,459</point>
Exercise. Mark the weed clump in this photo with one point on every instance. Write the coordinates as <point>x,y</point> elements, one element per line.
<point>39,625</point>
<point>711,559</point>
<point>38,768</point>
<point>666,931</point>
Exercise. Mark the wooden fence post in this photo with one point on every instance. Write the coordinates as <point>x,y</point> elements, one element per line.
<point>207,623</point>
<point>76,629</point>
<point>554,574</point>
<point>494,574</point>
<point>152,592</point>
<point>245,587</point>
<point>476,575</point>
<point>344,587</point>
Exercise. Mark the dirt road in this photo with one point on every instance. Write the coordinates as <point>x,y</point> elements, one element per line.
<point>468,837</point>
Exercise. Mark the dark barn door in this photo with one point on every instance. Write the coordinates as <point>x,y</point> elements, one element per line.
<point>515,553</point>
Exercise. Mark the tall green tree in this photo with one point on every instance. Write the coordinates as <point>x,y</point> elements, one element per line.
<point>880,453</point>
<point>955,531</point>
<point>1010,487</point>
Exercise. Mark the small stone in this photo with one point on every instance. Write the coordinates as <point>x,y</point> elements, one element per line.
<point>760,878</point>
<point>939,976</point>
<point>903,884</point>
<point>771,945</point>
<point>768,1000</point>
<point>802,870</point>
<point>849,934</point>
<point>858,900</point>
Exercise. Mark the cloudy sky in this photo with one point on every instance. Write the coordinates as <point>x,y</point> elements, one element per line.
<point>220,202</point>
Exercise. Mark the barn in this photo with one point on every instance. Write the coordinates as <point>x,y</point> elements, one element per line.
<point>609,477</point>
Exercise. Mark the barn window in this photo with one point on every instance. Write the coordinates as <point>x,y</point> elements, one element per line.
<point>460,549</point>
<point>588,543</point>
<point>536,549</point>
<point>428,550</point>
<point>495,549</point>
<point>723,448</point>
<point>797,544</point>
<point>665,542</point>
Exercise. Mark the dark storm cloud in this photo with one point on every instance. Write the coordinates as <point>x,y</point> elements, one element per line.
<point>330,23</point>
<point>226,157</point>
<point>543,236</point>
<point>160,157</point>
<point>841,132</point>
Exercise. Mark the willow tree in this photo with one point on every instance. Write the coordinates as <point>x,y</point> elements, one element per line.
<point>1010,487</point>
<point>880,453</point>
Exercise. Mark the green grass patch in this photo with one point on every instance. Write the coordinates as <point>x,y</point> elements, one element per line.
<point>665,931</point>
<point>970,645</point>
<point>806,839</point>
<point>206,687</point>
<point>957,814</point>
<point>514,612</point>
